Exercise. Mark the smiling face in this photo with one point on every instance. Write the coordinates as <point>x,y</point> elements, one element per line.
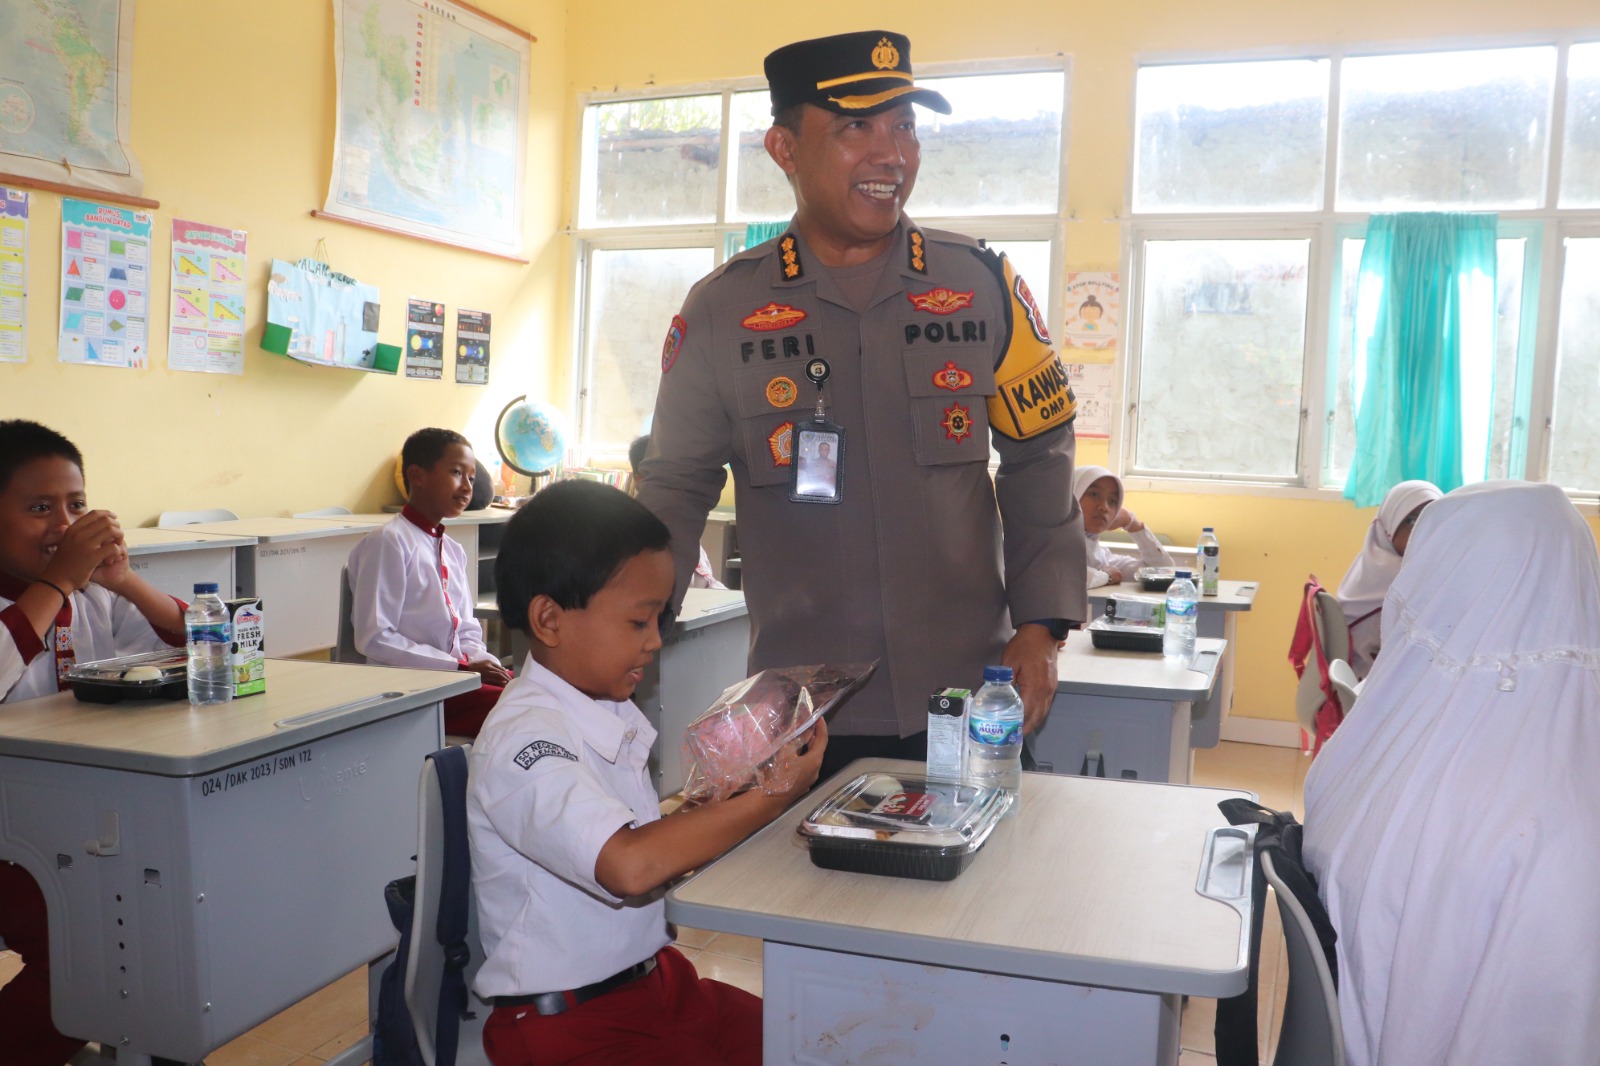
<point>852,176</point>
<point>1100,502</point>
<point>444,489</point>
<point>602,649</point>
<point>43,498</point>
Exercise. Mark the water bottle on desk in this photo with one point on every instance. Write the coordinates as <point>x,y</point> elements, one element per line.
<point>994,735</point>
<point>210,668</point>
<point>1177,640</point>
<point>1208,559</point>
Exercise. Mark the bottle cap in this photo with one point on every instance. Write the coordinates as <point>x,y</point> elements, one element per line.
<point>1181,575</point>
<point>1206,529</point>
<point>203,587</point>
<point>997,673</point>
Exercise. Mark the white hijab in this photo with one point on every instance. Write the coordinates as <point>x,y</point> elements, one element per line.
<point>1082,478</point>
<point>1453,821</point>
<point>1369,577</point>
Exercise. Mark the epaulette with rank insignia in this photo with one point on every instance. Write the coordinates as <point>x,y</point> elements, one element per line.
<point>916,251</point>
<point>789,250</point>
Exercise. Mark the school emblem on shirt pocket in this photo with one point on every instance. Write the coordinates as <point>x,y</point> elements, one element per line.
<point>674,342</point>
<point>957,423</point>
<point>781,443</point>
<point>951,377</point>
<point>773,316</point>
<point>940,301</point>
<point>540,749</point>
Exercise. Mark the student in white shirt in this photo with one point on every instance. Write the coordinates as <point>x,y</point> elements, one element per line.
<point>410,604</point>
<point>1453,821</point>
<point>66,595</point>
<point>1373,571</point>
<point>1099,493</point>
<point>569,852</point>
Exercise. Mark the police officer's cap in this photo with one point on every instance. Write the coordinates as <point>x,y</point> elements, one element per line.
<point>848,73</point>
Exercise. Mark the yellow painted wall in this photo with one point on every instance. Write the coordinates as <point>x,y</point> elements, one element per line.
<point>626,44</point>
<point>233,122</point>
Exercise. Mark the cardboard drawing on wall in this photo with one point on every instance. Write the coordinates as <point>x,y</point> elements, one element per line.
<point>317,315</point>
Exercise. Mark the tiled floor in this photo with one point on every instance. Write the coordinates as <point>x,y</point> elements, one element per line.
<point>314,1030</point>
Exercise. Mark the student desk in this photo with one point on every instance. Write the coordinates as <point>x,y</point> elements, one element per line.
<point>294,566</point>
<point>205,868</point>
<point>477,532</point>
<point>1123,713</point>
<point>1219,617</point>
<point>1069,939</point>
<point>175,560</point>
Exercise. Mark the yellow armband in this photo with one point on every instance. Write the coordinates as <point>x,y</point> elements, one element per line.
<point>1033,395</point>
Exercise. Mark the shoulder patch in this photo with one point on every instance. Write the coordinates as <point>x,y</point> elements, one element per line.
<point>676,332</point>
<point>540,749</point>
<point>1033,395</point>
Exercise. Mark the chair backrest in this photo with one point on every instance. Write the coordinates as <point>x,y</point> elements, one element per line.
<point>1332,627</point>
<point>345,650</point>
<point>425,966</point>
<point>174,519</point>
<point>1345,684</point>
<point>324,512</point>
<point>1311,1033</point>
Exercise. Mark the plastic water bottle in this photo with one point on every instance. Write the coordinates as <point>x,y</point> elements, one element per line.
<point>210,671</point>
<point>1177,639</point>
<point>994,735</point>
<point>1208,557</point>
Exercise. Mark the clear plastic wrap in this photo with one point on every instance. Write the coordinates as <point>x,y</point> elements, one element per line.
<point>743,738</point>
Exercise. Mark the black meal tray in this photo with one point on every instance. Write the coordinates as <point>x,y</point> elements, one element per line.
<point>1121,640</point>
<point>102,682</point>
<point>888,859</point>
<point>117,691</point>
<point>1157,582</point>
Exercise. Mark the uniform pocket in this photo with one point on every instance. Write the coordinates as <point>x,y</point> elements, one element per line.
<point>768,448</point>
<point>949,388</point>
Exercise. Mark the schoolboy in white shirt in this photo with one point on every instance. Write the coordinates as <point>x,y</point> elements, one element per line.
<point>569,852</point>
<point>410,604</point>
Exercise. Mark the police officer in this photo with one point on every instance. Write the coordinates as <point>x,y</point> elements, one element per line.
<point>905,350</point>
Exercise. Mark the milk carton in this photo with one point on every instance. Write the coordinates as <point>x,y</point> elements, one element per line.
<point>249,657</point>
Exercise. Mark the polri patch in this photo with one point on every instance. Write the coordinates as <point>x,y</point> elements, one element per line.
<point>951,377</point>
<point>541,749</point>
<point>780,442</point>
<point>773,316</point>
<point>1035,319</point>
<point>940,301</point>
<point>674,342</point>
<point>957,423</point>
<point>781,392</point>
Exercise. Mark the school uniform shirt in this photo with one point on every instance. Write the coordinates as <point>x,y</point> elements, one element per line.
<point>1103,559</point>
<point>553,775</point>
<point>926,563</point>
<point>402,611</point>
<point>103,625</point>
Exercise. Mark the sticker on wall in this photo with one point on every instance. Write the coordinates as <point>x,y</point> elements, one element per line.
<point>205,330</point>
<point>472,347</point>
<point>105,285</point>
<point>1094,310</point>
<point>13,275</point>
<point>424,339</point>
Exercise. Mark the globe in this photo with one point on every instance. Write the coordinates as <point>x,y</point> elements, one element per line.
<point>531,436</point>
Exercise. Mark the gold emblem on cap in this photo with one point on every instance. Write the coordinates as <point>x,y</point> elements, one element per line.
<point>886,56</point>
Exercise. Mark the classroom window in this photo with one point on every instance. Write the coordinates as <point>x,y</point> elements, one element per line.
<point>1228,162</point>
<point>668,184</point>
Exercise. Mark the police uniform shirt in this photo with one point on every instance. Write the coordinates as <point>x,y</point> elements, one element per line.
<point>910,567</point>
<point>398,609</point>
<point>553,775</point>
<point>104,625</point>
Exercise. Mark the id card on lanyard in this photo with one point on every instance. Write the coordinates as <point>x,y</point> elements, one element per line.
<point>817,473</point>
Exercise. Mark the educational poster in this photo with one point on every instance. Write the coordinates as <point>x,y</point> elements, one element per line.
<point>1094,309</point>
<point>1092,385</point>
<point>472,347</point>
<point>206,334</point>
<point>13,275</point>
<point>424,339</point>
<point>105,285</point>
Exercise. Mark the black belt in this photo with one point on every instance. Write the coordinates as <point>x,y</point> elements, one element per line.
<point>547,1003</point>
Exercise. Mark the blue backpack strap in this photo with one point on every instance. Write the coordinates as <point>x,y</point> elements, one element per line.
<point>450,764</point>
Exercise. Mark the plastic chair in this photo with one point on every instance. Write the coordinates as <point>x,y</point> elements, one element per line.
<point>325,512</point>
<point>174,519</point>
<point>345,650</point>
<point>1343,678</point>
<point>1311,1034</point>
<point>1331,635</point>
<point>426,962</point>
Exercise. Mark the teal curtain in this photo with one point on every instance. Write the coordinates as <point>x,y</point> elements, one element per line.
<point>1423,377</point>
<point>761,232</point>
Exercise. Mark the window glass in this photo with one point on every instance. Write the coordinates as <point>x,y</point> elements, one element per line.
<point>1443,130</point>
<point>999,150</point>
<point>632,296</point>
<point>652,161</point>
<point>761,192</point>
<point>1575,431</point>
<point>1580,157</point>
<point>1220,365</point>
<point>1231,136</point>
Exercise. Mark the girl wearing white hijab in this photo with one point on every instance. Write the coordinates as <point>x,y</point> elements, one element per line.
<point>1453,821</point>
<point>1369,577</point>
<point>1099,493</point>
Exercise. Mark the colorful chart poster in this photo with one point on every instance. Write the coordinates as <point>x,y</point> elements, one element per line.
<point>207,324</point>
<point>105,285</point>
<point>472,347</point>
<point>13,275</point>
<point>1092,385</point>
<point>1094,309</point>
<point>424,339</point>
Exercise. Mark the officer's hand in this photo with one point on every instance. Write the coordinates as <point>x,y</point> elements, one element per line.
<point>1031,654</point>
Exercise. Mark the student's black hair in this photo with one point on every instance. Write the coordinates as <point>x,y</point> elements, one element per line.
<point>566,543</point>
<point>22,441</point>
<point>426,447</point>
<point>636,452</point>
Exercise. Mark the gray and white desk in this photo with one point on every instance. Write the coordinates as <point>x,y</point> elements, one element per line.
<point>294,566</point>
<point>1074,932</point>
<point>175,560</point>
<point>205,868</point>
<point>1125,714</point>
<point>1219,617</point>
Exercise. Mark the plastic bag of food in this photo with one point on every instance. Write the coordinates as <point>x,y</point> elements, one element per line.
<point>742,738</point>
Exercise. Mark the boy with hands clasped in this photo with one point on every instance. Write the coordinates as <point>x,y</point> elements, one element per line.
<point>569,852</point>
